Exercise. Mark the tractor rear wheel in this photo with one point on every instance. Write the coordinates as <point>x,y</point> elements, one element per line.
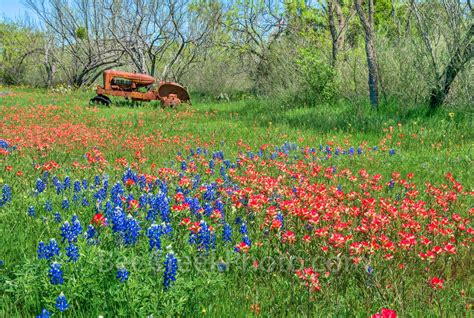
<point>100,99</point>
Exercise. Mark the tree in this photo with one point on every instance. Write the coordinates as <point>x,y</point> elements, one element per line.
<point>17,45</point>
<point>253,26</point>
<point>367,21</point>
<point>460,57</point>
<point>338,22</point>
<point>80,28</point>
<point>446,30</point>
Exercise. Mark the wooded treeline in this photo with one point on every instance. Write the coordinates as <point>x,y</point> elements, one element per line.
<point>305,52</point>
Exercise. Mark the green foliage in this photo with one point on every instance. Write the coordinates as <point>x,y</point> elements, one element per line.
<point>319,76</point>
<point>81,33</point>
<point>14,48</point>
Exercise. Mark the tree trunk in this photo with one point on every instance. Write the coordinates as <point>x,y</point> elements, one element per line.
<point>49,65</point>
<point>368,26</point>
<point>460,58</point>
<point>333,31</point>
<point>337,28</point>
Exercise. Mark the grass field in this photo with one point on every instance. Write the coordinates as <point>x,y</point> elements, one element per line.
<point>240,209</point>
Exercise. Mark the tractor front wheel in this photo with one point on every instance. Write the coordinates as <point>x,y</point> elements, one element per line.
<point>100,99</point>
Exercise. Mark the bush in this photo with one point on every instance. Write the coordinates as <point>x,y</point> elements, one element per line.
<point>319,76</point>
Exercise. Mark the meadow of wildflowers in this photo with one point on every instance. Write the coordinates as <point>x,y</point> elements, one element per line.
<point>202,212</point>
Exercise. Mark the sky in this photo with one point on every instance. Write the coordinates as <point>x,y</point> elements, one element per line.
<point>12,9</point>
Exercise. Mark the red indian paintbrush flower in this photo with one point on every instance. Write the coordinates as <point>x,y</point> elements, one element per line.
<point>385,313</point>
<point>436,283</point>
<point>98,219</point>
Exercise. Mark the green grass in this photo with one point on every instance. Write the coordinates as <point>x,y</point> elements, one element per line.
<point>443,143</point>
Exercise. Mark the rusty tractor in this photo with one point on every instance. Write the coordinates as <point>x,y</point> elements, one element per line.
<point>139,87</point>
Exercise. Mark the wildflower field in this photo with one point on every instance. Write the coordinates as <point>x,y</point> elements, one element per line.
<point>233,209</point>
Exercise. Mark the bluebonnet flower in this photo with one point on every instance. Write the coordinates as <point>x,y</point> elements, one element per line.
<point>192,238</point>
<point>222,171</point>
<point>85,185</point>
<point>130,198</point>
<point>151,215</point>
<point>55,274</point>
<point>41,250</point>
<point>61,303</point>
<point>351,151</point>
<point>243,228</point>
<point>69,231</point>
<point>162,185</point>
<point>116,194</point>
<point>4,144</point>
<point>97,181</point>
<point>280,218</point>
<point>72,251</point>
<point>40,185</point>
<point>109,209</point>
<point>77,186</point>
<point>221,266</point>
<point>210,194</point>
<point>162,202</point>
<point>370,270</point>
<point>67,182</point>
<point>48,251</point>
<point>6,195</point>
<point>391,152</point>
<point>76,225</point>
<point>183,165</point>
<point>57,217</point>
<point>360,151</point>
<point>44,314</point>
<point>142,201</point>
<point>246,240</point>
<point>131,231</point>
<point>227,163</point>
<point>142,181</point>
<point>391,184</point>
<point>55,181</point>
<point>205,237</point>
<point>227,235</point>
<point>90,234</point>
<point>65,204</point>
<point>196,181</point>
<point>118,218</point>
<point>53,248</point>
<point>59,187</point>
<point>85,202</point>
<point>129,175</point>
<point>219,205</point>
<point>101,194</point>
<point>207,209</point>
<point>31,211</point>
<point>154,236</point>
<point>122,274</point>
<point>48,206</point>
<point>168,230</point>
<point>171,267</point>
